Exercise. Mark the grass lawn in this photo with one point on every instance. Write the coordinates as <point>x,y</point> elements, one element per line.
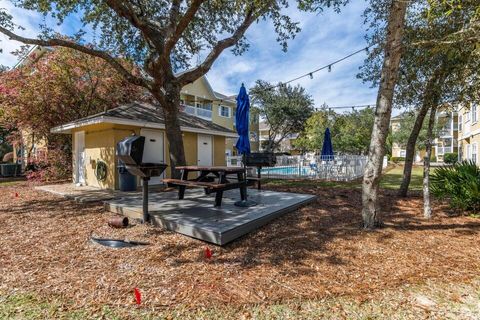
<point>391,179</point>
<point>313,263</point>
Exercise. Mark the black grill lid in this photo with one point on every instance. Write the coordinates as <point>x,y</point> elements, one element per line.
<point>261,159</point>
<point>130,150</point>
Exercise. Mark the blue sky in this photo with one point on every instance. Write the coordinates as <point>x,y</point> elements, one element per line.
<point>324,38</point>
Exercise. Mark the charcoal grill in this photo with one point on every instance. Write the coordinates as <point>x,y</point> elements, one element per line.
<point>259,160</point>
<point>130,152</point>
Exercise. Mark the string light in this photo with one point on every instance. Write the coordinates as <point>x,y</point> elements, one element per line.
<point>328,66</point>
<point>352,107</point>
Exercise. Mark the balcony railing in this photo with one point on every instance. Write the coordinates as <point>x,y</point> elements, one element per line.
<point>445,133</point>
<point>443,150</point>
<point>198,112</point>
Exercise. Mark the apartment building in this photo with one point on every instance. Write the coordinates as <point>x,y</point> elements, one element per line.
<point>200,100</point>
<point>468,133</point>
<point>446,130</point>
<point>286,145</point>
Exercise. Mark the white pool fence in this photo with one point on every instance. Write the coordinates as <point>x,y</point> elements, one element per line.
<point>335,168</point>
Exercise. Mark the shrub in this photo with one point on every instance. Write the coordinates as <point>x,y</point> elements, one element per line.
<point>397,159</point>
<point>450,157</point>
<point>433,159</point>
<point>56,166</point>
<point>460,184</point>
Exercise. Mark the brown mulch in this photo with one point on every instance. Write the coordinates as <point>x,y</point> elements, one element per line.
<point>317,251</point>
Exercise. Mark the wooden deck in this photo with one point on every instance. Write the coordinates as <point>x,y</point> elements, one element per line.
<point>195,216</point>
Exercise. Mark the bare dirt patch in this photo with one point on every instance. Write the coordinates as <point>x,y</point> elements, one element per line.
<point>315,252</point>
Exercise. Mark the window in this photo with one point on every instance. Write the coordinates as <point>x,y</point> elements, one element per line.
<point>460,119</point>
<point>474,152</point>
<point>473,110</point>
<point>224,111</point>
<point>469,152</point>
<point>403,153</point>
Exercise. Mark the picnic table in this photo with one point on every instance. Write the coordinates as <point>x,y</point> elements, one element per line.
<point>212,179</point>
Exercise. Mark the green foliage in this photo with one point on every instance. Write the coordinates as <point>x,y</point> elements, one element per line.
<point>430,70</point>
<point>350,131</point>
<point>397,159</point>
<point>402,132</point>
<point>450,157</point>
<point>460,184</point>
<point>285,110</point>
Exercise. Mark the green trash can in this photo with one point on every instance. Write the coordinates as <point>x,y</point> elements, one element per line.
<point>10,169</point>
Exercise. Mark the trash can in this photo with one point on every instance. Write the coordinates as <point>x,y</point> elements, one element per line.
<point>10,169</point>
<point>127,181</point>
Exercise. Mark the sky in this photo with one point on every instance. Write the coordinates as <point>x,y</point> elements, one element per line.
<point>325,37</point>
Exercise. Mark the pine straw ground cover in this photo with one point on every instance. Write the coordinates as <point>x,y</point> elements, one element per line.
<point>313,255</point>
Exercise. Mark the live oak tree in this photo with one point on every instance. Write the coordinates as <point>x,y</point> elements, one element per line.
<point>392,49</point>
<point>285,109</point>
<point>162,37</point>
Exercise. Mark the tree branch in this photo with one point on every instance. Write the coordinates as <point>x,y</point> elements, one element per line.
<point>72,45</point>
<point>182,24</point>
<point>124,9</point>
<point>221,45</point>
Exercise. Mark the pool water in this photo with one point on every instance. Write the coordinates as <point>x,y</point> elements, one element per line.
<point>299,171</point>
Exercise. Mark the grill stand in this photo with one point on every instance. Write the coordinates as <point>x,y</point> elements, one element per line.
<point>245,203</point>
<point>146,215</point>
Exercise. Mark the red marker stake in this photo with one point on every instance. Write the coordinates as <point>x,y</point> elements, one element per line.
<point>138,296</point>
<point>208,253</point>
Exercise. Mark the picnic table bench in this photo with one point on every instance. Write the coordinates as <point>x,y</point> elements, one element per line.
<point>212,180</point>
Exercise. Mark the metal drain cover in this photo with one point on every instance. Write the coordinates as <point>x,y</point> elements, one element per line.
<point>116,243</point>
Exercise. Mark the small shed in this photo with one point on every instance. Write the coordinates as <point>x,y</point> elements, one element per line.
<point>95,138</point>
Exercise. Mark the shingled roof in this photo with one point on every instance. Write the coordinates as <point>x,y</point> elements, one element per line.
<point>145,115</point>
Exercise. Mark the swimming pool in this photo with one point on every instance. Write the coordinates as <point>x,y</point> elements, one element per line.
<point>288,171</point>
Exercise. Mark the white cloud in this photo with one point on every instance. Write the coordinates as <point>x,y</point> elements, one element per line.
<point>325,38</point>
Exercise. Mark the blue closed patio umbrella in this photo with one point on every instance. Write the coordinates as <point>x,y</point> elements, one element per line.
<point>243,142</point>
<point>327,148</point>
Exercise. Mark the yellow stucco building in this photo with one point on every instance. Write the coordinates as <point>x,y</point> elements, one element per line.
<point>447,127</point>
<point>468,133</point>
<point>200,100</point>
<point>95,139</point>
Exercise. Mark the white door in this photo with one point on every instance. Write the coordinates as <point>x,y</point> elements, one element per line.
<point>153,151</point>
<point>80,157</point>
<point>205,150</point>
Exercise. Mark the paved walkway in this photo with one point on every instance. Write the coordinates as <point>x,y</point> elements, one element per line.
<point>84,194</point>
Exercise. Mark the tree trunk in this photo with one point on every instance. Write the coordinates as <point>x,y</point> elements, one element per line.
<point>383,112</point>
<point>427,209</point>
<point>430,97</point>
<point>171,108</point>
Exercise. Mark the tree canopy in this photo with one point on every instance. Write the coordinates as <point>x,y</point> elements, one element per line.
<point>284,108</point>
<point>350,131</point>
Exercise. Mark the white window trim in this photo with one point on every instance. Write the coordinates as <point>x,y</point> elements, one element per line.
<point>474,113</point>
<point>474,152</point>
<point>220,111</point>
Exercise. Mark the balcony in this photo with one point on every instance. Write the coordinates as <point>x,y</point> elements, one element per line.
<point>445,133</point>
<point>202,112</point>
<point>443,150</point>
